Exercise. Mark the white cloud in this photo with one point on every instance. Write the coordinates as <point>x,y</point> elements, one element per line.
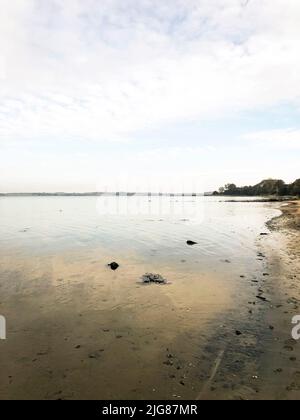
<point>102,70</point>
<point>282,139</point>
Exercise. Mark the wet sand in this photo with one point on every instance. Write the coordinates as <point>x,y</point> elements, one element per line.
<point>77,330</point>
<point>284,357</point>
<point>265,362</point>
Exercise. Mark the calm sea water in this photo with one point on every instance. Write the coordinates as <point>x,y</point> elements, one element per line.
<point>159,226</point>
<point>103,333</point>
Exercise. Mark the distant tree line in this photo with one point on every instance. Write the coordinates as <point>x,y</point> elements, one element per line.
<point>275,187</point>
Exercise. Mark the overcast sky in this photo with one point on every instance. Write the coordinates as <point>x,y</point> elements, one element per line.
<point>148,94</point>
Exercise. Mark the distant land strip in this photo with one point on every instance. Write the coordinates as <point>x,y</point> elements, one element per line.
<point>104,194</point>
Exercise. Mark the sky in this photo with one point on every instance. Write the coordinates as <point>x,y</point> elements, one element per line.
<point>147,95</point>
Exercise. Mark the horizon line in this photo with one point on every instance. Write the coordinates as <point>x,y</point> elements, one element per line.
<point>109,193</point>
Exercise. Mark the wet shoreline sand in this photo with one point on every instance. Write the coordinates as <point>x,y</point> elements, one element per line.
<point>284,358</point>
<point>83,332</point>
<point>108,336</point>
<point>264,362</point>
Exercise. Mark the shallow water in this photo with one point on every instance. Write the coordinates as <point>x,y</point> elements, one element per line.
<point>78,330</point>
<point>57,224</point>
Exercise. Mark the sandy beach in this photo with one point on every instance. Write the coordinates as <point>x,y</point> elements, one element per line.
<point>266,347</point>
<point>77,330</point>
<point>284,357</point>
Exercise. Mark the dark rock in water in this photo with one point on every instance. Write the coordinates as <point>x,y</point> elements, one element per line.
<point>191,243</point>
<point>114,266</point>
<point>153,278</point>
<point>238,333</point>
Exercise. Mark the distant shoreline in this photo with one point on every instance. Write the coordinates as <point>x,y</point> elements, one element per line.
<point>261,200</point>
<point>100,194</point>
<point>233,199</point>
